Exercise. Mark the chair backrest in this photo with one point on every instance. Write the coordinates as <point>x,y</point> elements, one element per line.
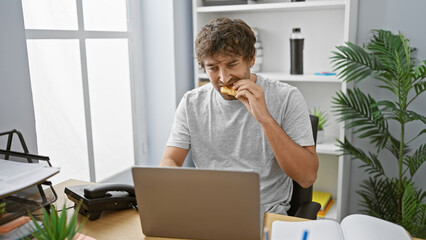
<point>314,123</point>
<point>302,195</point>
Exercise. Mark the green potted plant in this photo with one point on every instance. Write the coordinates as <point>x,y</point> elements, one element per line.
<point>55,226</point>
<point>386,59</point>
<point>322,121</point>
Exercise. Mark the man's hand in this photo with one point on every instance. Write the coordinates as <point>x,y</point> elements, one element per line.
<point>299,163</point>
<point>253,97</point>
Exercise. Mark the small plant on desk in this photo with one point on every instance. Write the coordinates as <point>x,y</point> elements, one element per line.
<point>54,225</point>
<point>2,208</point>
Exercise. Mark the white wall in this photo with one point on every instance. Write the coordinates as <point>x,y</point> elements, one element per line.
<point>167,70</point>
<point>407,17</point>
<point>16,103</point>
<point>184,69</point>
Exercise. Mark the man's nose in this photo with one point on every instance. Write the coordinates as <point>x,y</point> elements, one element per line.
<point>225,77</point>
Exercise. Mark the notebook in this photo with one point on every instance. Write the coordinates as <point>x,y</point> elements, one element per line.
<point>352,227</point>
<point>199,204</point>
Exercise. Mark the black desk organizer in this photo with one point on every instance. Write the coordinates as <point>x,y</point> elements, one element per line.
<point>15,204</point>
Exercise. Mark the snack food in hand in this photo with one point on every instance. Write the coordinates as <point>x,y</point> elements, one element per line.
<point>228,91</point>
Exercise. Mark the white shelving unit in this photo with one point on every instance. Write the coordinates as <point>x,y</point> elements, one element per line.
<point>325,25</point>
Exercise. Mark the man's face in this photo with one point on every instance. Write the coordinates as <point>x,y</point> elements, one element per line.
<point>225,70</point>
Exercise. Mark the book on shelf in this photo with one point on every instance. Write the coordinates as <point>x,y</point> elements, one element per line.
<point>321,214</point>
<point>352,227</point>
<point>325,199</point>
<point>322,198</point>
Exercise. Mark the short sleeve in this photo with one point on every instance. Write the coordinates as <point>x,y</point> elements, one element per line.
<point>296,120</point>
<point>180,135</point>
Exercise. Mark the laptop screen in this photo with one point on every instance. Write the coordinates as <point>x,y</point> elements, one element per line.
<point>199,204</point>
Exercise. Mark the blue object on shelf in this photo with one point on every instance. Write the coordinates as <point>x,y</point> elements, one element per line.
<point>325,74</point>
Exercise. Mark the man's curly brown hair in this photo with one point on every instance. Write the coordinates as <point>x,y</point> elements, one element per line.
<point>225,36</point>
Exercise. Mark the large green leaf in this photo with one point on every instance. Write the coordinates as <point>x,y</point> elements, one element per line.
<point>354,62</point>
<point>405,85</point>
<point>385,109</point>
<point>420,87</point>
<point>418,135</point>
<point>388,49</point>
<point>407,116</point>
<point>371,161</point>
<point>419,82</point>
<point>360,112</point>
<point>413,211</point>
<point>379,198</point>
<point>414,162</point>
<point>420,70</point>
<point>393,146</point>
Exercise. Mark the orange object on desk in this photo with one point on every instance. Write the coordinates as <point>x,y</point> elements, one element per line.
<point>7,227</point>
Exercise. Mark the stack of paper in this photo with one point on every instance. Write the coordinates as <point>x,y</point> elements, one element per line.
<point>326,201</point>
<point>15,176</point>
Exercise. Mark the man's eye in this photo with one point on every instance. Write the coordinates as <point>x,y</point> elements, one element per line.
<point>211,68</point>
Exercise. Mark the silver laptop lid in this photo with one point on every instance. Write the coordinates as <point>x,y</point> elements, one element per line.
<point>199,204</point>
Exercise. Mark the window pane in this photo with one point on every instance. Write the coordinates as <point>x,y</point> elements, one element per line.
<point>110,103</point>
<point>59,106</point>
<point>105,15</point>
<point>50,14</point>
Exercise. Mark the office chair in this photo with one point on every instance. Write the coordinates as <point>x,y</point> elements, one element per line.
<point>301,201</point>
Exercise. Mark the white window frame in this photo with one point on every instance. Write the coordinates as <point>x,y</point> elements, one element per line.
<point>134,37</point>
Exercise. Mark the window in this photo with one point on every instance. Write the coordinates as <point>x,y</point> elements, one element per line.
<point>81,77</point>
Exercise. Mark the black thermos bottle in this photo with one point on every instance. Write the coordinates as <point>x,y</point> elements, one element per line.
<point>296,52</point>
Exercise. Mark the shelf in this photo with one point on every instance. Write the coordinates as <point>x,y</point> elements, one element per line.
<point>286,77</point>
<point>300,78</point>
<point>265,7</point>
<point>328,147</point>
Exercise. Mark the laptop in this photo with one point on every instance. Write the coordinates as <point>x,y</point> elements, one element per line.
<point>198,204</point>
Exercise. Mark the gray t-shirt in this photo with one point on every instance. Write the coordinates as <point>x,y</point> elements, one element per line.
<point>222,134</point>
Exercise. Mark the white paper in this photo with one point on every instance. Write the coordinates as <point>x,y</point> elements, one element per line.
<point>15,176</point>
<point>352,227</point>
<point>317,230</point>
<point>358,226</point>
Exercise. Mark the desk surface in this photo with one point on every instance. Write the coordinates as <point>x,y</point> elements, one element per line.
<point>125,224</point>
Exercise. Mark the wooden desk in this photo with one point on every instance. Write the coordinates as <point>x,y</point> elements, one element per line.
<point>125,224</point>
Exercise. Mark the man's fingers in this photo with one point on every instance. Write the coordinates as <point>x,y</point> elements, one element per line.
<point>245,88</point>
<point>243,93</point>
<point>242,82</point>
<point>246,97</point>
<point>253,88</point>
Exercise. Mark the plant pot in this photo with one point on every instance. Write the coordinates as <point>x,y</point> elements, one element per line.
<point>320,136</point>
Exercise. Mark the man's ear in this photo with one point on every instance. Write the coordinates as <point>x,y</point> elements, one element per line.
<point>252,60</point>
